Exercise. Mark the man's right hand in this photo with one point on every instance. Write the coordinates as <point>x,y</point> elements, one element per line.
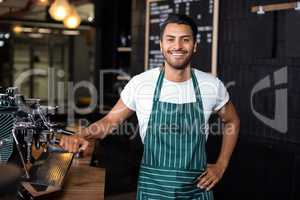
<point>73,144</point>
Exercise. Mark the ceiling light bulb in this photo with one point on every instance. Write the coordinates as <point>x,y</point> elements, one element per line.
<point>73,20</point>
<point>1,42</point>
<point>90,18</point>
<point>60,9</point>
<point>7,36</point>
<point>17,29</point>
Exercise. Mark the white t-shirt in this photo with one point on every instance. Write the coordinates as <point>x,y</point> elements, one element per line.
<point>139,91</point>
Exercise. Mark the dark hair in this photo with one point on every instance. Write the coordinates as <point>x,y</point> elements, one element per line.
<point>179,19</point>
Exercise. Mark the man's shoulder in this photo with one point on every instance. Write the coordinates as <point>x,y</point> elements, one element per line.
<point>148,75</point>
<point>204,76</point>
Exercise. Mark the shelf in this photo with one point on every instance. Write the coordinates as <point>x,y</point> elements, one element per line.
<point>275,7</point>
<point>123,78</point>
<point>124,49</point>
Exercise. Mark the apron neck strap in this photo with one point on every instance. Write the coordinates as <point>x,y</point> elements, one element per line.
<point>196,87</point>
<point>160,82</point>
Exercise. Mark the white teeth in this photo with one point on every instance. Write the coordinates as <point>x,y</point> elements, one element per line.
<point>177,54</point>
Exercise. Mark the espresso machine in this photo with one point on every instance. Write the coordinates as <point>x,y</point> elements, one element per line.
<point>29,139</point>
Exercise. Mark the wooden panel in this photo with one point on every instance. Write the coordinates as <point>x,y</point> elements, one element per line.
<point>275,7</point>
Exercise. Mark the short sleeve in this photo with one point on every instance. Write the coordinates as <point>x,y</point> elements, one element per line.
<point>222,95</point>
<point>128,95</point>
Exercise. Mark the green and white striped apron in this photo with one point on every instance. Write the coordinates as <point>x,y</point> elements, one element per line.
<point>174,149</point>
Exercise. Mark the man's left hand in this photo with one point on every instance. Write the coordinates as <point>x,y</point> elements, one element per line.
<point>211,176</point>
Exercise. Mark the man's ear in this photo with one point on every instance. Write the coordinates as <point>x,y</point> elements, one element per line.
<point>160,45</point>
<point>195,47</point>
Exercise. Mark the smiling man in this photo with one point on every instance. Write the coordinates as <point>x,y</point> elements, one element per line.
<point>173,104</point>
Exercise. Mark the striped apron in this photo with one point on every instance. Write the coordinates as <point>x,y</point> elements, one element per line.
<point>174,149</point>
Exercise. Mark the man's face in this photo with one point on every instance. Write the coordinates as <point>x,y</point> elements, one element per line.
<point>177,45</point>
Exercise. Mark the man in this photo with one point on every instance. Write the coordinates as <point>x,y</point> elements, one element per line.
<point>173,104</point>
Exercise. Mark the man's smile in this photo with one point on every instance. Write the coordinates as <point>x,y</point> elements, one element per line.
<point>177,54</point>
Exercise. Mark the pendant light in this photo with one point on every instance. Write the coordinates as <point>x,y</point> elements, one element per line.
<point>73,20</point>
<point>60,9</point>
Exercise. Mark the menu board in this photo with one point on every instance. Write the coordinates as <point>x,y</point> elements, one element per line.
<point>202,13</point>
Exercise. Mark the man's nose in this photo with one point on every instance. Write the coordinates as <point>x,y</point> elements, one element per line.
<point>177,44</point>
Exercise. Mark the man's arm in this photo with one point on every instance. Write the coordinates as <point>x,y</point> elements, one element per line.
<point>231,130</point>
<point>97,130</point>
<point>215,171</point>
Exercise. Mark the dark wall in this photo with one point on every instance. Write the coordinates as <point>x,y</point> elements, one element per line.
<point>251,47</point>
<point>119,153</point>
<point>112,21</point>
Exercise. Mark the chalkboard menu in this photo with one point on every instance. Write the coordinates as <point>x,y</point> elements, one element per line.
<point>202,13</point>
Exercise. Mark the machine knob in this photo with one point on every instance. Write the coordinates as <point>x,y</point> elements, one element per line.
<point>12,91</point>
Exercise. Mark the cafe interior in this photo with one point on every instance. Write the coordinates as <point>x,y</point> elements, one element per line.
<point>64,64</point>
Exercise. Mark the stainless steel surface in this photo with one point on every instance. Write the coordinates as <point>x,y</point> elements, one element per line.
<point>52,171</point>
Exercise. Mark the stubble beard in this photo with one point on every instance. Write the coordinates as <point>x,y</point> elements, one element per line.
<point>177,65</point>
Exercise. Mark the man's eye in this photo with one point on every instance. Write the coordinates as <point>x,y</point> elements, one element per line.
<point>170,39</point>
<point>186,40</point>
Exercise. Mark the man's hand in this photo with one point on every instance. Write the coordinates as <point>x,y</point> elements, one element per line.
<point>211,176</point>
<point>73,144</point>
<point>214,172</point>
